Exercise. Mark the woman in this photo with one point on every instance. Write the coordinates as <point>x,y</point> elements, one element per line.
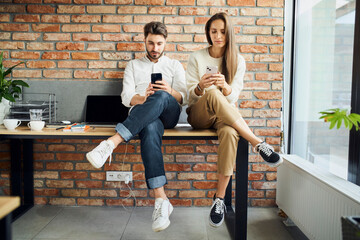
<point>212,103</point>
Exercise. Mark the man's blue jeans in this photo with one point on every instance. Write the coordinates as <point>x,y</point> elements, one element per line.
<point>158,112</point>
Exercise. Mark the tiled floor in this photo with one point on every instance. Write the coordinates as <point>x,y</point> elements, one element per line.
<point>102,223</point>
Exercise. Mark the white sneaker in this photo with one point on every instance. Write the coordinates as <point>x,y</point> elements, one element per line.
<point>161,214</point>
<point>98,156</point>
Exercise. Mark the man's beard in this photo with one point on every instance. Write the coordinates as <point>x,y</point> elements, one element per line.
<point>154,58</point>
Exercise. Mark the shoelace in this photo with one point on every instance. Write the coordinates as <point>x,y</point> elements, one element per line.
<point>158,211</point>
<point>104,150</point>
<point>265,149</point>
<point>219,206</point>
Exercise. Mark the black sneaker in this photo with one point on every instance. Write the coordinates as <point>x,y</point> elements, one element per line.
<point>217,212</point>
<point>267,153</point>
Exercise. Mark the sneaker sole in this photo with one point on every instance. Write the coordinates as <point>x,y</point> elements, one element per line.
<point>276,164</point>
<point>215,225</point>
<point>91,161</point>
<point>167,224</point>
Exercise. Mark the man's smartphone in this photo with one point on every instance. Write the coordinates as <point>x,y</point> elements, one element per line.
<point>211,69</point>
<point>155,77</point>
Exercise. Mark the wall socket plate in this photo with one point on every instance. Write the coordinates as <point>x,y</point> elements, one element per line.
<point>118,176</point>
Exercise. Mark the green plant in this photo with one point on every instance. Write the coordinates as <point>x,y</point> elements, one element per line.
<point>336,116</point>
<point>9,89</point>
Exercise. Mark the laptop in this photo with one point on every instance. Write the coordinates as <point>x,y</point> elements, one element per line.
<point>104,110</point>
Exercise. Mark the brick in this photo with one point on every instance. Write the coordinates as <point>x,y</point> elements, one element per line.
<point>146,19</point>
<point>268,58</point>
<point>14,27</point>
<point>73,175</point>
<point>179,149</point>
<point>245,39</point>
<point>11,45</point>
<point>271,176</point>
<point>75,28</point>
<point>275,67</point>
<point>278,31</point>
<point>268,95</point>
<point>190,176</point>
<point>192,11</point>
<point>277,12</point>
<point>57,73</point>
<point>101,46</point>
<point>177,167</point>
<point>117,167</point>
<point>205,185</point>
<point>254,12</point>
<point>228,11</point>
<point>59,166</point>
<point>201,20</point>
<point>25,1</point>
<point>46,174</point>
<point>4,17</point>
<point>40,64</point>
<point>190,47</point>
<point>267,113</point>
<point>103,193</point>
<point>148,2</point>
<point>255,176</point>
<point>87,74</point>
<point>39,46</point>
<point>270,21</point>
<point>131,10</point>
<point>86,37</point>
<point>190,158</point>
<point>71,9</point>
<point>269,76</point>
<point>101,9</point>
<point>5,36</point>
<point>191,194</point>
<point>25,55</point>
<point>257,30</point>
<point>253,67</point>
<point>178,185</point>
<point>12,8</point>
<point>44,156</point>
<point>75,193</point>
<point>121,2</point>
<point>102,64</point>
<point>98,176</point>
<point>270,193</point>
<point>114,75</point>
<point>40,201</point>
<point>253,49</point>
<point>72,64</point>
<point>133,28</point>
<point>27,18</point>
<point>88,184</point>
<point>39,183</point>
<point>66,156</point>
<point>86,18</point>
<point>85,55</point>
<point>27,73</point>
<point>178,20</point>
<point>270,3</point>
<point>263,185</point>
<point>45,27</point>
<point>243,21</point>
<point>179,38</point>
<point>87,1</point>
<point>162,10</point>
<point>123,202</point>
<point>255,194</point>
<point>253,104</point>
<point>206,149</point>
<point>56,37</point>
<point>26,36</point>
<point>40,9</point>
<point>211,2</point>
<point>59,183</point>
<point>62,201</point>
<point>204,167</point>
<point>243,3</point>
<point>276,49</point>
<point>58,1</point>
<point>202,202</point>
<point>55,19</point>
<point>70,46</point>
<point>106,28</point>
<point>275,104</point>
<point>90,202</point>
<point>117,19</point>
<point>267,132</point>
<point>269,40</point>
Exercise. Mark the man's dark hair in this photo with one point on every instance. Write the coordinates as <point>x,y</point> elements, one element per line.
<point>156,28</point>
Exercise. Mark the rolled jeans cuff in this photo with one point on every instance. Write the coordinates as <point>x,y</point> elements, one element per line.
<point>156,182</point>
<point>123,131</point>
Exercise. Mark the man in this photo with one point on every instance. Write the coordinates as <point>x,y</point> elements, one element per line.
<point>154,107</point>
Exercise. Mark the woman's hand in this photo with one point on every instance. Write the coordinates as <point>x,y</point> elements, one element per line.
<point>206,81</point>
<point>219,80</point>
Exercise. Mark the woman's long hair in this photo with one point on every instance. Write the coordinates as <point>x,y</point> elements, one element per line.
<point>230,58</point>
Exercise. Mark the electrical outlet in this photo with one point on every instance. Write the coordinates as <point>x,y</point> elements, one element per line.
<point>118,176</point>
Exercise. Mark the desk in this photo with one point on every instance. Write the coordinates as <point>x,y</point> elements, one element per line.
<point>7,205</point>
<point>22,179</point>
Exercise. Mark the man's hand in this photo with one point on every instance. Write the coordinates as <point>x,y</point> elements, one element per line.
<point>161,85</point>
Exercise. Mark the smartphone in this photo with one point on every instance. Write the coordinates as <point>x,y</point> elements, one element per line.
<point>155,77</point>
<point>211,69</point>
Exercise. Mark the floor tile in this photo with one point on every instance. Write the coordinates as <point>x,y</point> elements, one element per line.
<point>87,223</point>
<point>186,223</point>
<point>33,221</point>
<point>215,233</point>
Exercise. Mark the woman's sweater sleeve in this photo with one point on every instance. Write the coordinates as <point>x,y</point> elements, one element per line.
<point>192,77</point>
<point>238,82</point>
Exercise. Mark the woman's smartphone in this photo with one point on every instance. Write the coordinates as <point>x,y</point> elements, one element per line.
<point>211,69</point>
<point>155,77</point>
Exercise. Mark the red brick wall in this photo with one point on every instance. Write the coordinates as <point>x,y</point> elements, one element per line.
<point>93,40</point>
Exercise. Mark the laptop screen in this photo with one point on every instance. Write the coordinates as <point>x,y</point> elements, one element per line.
<point>105,109</point>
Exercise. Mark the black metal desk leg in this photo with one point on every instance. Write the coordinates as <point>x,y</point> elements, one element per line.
<point>5,227</point>
<point>28,172</point>
<point>16,173</point>
<point>237,222</point>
